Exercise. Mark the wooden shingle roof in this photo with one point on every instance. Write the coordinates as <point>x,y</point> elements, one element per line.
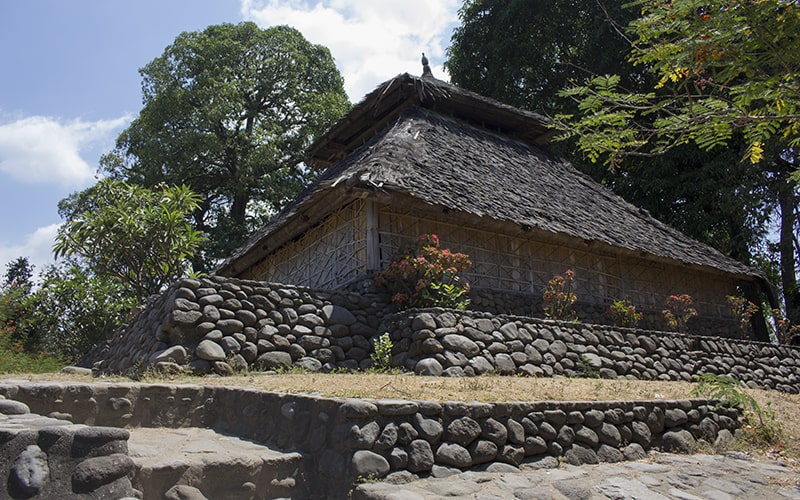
<point>466,154</point>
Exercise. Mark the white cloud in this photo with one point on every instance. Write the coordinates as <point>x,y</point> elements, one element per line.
<point>41,149</point>
<point>38,248</point>
<point>371,41</point>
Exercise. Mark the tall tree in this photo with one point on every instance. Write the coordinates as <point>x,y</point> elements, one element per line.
<point>229,111</point>
<point>722,70</point>
<point>525,52</point>
<point>136,237</point>
<point>522,52</point>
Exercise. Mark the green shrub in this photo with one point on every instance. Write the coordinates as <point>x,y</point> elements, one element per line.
<point>382,353</point>
<point>623,313</point>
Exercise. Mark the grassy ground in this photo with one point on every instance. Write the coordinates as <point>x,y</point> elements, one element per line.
<point>487,388</point>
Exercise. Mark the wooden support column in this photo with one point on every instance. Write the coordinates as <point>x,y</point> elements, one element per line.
<point>373,239</point>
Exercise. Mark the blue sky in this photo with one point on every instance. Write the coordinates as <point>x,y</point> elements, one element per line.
<point>69,81</point>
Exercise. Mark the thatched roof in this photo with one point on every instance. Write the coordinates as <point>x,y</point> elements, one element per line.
<point>435,148</point>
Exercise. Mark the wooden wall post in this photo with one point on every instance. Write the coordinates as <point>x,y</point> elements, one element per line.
<point>373,239</point>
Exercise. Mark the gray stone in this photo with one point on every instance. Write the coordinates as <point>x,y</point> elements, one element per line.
<point>581,455</point>
<point>420,456</point>
<point>504,364</point>
<point>678,441</point>
<point>369,464</point>
<point>461,344</point>
<point>494,431</point>
<point>586,436</point>
<point>482,451</point>
<point>534,445</point>
<point>558,349</point>
<point>606,453</point>
<point>511,454</point>
<point>633,452</point>
<point>94,472</point>
<point>387,438</point>
<point>11,407</point>
<point>480,365</point>
<point>424,321</point>
<point>675,417</point>
<point>609,434</point>
<point>463,431</point>
<point>175,354</point>
<point>274,359</point>
<point>428,367</point>
<point>184,492</point>
<point>453,454</point>
<point>230,326</point>
<point>29,473</point>
<point>230,345</point>
<point>428,428</point>
<point>309,364</point>
<point>209,351</point>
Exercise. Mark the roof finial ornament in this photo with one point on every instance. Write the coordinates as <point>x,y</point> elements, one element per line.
<point>426,70</point>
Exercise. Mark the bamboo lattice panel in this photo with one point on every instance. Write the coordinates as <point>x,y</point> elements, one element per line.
<point>327,256</point>
<point>514,264</point>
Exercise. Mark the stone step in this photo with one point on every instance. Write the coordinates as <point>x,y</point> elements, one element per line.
<point>195,463</point>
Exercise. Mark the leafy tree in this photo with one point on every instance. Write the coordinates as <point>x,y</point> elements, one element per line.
<point>722,70</point>
<point>524,52</point>
<point>229,111</point>
<point>720,67</point>
<point>136,237</point>
<point>15,290</point>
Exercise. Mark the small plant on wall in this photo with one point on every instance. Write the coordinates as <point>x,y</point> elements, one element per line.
<point>425,275</point>
<point>678,312</point>
<point>559,298</point>
<point>742,310</point>
<point>623,313</point>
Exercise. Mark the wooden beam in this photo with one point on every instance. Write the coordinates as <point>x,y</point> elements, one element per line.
<point>373,242</point>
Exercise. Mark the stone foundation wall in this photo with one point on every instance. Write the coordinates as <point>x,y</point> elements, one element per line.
<point>454,343</point>
<point>344,440</point>
<point>43,457</point>
<point>221,325</point>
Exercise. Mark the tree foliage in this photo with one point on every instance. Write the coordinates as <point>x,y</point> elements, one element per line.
<point>137,237</point>
<point>522,52</point>
<point>229,111</point>
<point>720,67</point>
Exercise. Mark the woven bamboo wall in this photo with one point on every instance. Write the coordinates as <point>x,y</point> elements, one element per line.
<point>334,253</point>
<point>521,265</point>
<point>327,256</point>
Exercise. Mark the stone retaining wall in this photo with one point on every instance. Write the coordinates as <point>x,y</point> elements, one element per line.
<point>454,343</point>
<point>222,325</point>
<point>344,440</point>
<point>43,457</point>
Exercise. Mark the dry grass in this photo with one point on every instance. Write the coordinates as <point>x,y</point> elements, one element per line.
<point>485,388</point>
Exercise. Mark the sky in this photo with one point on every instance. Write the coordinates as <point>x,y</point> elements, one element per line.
<point>70,83</point>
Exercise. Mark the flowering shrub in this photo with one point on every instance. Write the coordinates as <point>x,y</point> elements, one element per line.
<point>623,313</point>
<point>784,332</point>
<point>424,275</point>
<point>679,311</point>
<point>742,310</point>
<point>558,297</point>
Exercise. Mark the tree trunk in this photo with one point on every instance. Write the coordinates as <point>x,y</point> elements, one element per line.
<point>787,201</point>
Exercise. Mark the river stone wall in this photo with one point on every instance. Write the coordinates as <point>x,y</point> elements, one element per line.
<point>44,457</point>
<point>224,325</point>
<point>456,343</point>
<point>344,440</point>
